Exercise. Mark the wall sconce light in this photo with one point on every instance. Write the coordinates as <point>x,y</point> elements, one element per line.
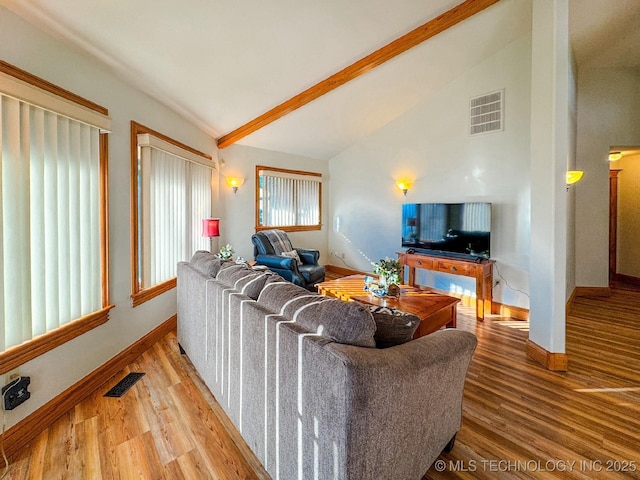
<point>615,156</point>
<point>235,182</point>
<point>404,185</point>
<point>211,228</point>
<point>573,176</point>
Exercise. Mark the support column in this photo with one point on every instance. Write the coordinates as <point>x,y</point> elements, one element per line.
<point>550,78</point>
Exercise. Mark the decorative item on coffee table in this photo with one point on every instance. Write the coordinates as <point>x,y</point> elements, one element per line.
<point>388,271</point>
<point>225,253</point>
<point>434,309</point>
<point>393,290</point>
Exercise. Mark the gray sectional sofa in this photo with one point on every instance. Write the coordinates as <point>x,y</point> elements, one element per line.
<point>300,376</point>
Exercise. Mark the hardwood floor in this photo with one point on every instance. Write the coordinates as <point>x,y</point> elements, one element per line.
<point>515,411</point>
<point>519,420</point>
<point>167,426</point>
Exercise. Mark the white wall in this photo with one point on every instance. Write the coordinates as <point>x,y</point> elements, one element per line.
<point>628,237</point>
<point>237,214</point>
<point>608,114</point>
<point>29,49</point>
<point>571,165</point>
<point>550,149</point>
<point>431,145</point>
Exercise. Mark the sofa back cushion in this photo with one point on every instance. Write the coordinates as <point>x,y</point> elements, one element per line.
<point>278,294</point>
<point>206,263</point>
<point>344,322</point>
<point>242,278</point>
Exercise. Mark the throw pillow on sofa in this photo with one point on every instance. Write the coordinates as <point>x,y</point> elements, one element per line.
<point>345,322</point>
<point>206,263</point>
<point>393,327</point>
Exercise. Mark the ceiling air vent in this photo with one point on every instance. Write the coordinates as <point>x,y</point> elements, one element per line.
<point>486,113</point>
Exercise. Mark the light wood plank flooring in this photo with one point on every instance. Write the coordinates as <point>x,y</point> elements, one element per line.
<point>167,426</point>
<point>519,420</point>
<point>515,411</point>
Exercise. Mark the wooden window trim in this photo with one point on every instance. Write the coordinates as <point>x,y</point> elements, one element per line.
<point>145,294</point>
<point>141,295</point>
<point>291,228</point>
<point>104,217</point>
<point>50,87</point>
<point>15,356</point>
<point>287,228</point>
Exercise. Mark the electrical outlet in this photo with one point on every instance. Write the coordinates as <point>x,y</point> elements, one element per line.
<point>16,392</point>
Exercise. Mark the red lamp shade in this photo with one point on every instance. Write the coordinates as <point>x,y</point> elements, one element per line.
<point>211,227</point>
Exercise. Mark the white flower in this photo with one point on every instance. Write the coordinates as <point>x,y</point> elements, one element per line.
<point>225,252</point>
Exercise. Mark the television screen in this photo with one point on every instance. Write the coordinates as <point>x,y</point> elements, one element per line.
<point>454,229</point>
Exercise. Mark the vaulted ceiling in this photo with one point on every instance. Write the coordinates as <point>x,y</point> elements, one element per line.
<point>223,63</point>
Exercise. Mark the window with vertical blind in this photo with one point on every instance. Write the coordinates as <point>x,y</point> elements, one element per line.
<point>171,188</point>
<point>288,199</point>
<point>53,249</point>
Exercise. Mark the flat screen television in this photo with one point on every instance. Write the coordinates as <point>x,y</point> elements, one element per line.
<point>460,230</point>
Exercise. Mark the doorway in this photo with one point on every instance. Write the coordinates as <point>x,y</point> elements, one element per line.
<point>624,216</point>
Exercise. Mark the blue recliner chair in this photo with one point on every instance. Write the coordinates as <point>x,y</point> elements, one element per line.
<point>273,249</point>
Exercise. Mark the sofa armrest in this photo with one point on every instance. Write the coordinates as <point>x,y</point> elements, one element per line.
<point>308,256</point>
<point>404,403</point>
<point>277,261</point>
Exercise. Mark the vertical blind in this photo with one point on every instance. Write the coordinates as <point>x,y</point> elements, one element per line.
<point>409,211</point>
<point>289,200</point>
<point>175,197</point>
<point>476,217</point>
<point>49,221</point>
<point>433,222</point>
<point>200,204</point>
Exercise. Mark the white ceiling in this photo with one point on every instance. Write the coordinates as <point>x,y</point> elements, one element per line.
<point>605,33</point>
<point>222,63</point>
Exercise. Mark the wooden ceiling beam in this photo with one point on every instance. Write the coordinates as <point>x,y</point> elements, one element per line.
<point>415,37</point>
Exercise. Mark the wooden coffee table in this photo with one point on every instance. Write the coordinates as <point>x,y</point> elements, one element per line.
<point>434,309</point>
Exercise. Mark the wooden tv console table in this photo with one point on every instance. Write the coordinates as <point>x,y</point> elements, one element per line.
<point>481,271</point>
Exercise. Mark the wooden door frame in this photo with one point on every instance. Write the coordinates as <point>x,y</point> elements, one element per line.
<point>613,224</point>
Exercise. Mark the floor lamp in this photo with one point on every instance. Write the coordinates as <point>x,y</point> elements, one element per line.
<point>211,229</point>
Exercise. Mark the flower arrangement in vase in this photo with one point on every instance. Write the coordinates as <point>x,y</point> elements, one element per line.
<point>225,253</point>
<point>388,271</point>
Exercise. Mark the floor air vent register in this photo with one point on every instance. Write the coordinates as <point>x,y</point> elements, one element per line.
<point>123,385</point>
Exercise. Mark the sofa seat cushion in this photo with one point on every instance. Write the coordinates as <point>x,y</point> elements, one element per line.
<point>344,322</point>
<point>242,278</point>
<point>206,263</point>
<point>393,327</point>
